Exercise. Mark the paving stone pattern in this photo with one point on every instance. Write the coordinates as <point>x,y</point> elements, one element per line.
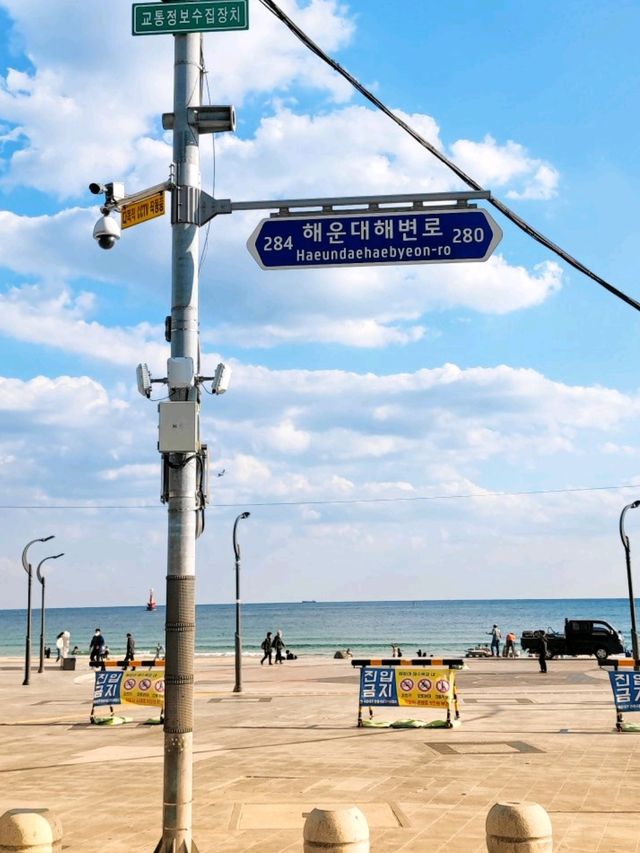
<point>289,742</point>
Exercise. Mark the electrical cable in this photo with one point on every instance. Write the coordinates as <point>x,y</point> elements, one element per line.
<point>499,205</point>
<point>343,501</point>
<point>205,78</point>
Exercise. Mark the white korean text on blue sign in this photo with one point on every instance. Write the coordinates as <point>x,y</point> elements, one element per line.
<point>378,686</point>
<point>107,688</point>
<point>359,239</point>
<point>626,690</point>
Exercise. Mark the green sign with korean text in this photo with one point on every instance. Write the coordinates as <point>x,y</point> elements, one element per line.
<point>190,17</point>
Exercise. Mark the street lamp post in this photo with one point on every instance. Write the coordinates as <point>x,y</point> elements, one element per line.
<point>236,550</point>
<point>26,565</point>
<point>42,579</point>
<point>632,601</point>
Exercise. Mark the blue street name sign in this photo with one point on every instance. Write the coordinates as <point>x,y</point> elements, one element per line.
<point>365,239</point>
<point>189,17</point>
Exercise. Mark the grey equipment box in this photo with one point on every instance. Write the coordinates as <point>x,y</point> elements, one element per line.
<point>178,427</point>
<point>69,663</point>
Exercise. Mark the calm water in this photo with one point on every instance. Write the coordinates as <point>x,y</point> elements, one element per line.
<point>367,627</point>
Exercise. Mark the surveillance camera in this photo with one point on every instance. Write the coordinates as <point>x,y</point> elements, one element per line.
<point>143,377</point>
<point>106,231</point>
<point>113,191</point>
<point>221,379</point>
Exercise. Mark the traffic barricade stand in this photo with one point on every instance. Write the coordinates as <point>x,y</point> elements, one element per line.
<point>117,682</point>
<point>415,683</point>
<point>625,684</point>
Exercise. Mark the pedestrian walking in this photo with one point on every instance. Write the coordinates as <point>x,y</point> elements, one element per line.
<point>97,647</point>
<point>496,636</point>
<point>267,648</point>
<point>278,646</point>
<point>131,650</point>
<point>543,652</point>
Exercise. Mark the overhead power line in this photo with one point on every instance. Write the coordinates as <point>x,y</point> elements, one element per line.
<point>499,205</point>
<point>341,501</point>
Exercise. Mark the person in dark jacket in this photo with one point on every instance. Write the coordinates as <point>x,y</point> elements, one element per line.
<point>131,650</point>
<point>267,648</point>
<point>278,646</point>
<point>543,652</point>
<point>96,647</point>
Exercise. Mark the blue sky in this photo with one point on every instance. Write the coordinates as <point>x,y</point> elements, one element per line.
<point>365,404</point>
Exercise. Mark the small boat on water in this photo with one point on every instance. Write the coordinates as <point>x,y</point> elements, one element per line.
<point>152,603</point>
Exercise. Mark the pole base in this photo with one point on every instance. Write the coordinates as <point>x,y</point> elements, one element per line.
<point>171,846</point>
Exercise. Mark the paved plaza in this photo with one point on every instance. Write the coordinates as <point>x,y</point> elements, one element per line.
<point>264,758</point>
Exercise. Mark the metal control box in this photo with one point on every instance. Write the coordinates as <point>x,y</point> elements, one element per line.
<point>178,427</point>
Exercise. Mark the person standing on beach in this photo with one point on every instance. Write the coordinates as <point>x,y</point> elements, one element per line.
<point>131,650</point>
<point>543,652</point>
<point>278,645</point>
<point>267,648</point>
<point>496,636</point>
<point>510,645</point>
<point>59,645</point>
<point>96,647</point>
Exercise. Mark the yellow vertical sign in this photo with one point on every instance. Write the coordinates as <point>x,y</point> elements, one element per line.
<point>140,211</point>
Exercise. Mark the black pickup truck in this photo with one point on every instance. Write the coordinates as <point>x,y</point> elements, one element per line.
<point>581,637</point>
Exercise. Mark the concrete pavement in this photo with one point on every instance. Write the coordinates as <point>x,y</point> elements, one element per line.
<point>289,742</point>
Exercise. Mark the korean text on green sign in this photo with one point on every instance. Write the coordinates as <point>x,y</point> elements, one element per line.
<point>190,17</point>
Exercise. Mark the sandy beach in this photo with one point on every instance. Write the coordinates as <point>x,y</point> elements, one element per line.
<point>289,742</point>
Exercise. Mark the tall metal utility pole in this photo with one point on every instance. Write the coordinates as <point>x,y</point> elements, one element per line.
<point>182,467</point>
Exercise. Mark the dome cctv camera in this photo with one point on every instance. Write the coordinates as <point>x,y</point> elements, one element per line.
<point>106,231</point>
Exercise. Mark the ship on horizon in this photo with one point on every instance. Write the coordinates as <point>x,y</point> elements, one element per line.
<point>152,603</point>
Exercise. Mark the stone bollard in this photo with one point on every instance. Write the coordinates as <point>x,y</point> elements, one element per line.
<point>30,831</point>
<point>518,827</point>
<point>336,831</point>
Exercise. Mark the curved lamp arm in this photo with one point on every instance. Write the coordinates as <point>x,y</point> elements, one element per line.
<point>623,535</point>
<point>25,564</point>
<point>236,547</point>
<point>52,557</point>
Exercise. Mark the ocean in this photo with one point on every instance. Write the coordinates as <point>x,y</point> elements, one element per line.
<point>318,628</point>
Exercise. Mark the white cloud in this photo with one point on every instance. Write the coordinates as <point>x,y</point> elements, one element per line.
<point>301,435</point>
<point>130,472</point>
<point>493,165</point>
<point>286,438</point>
<point>73,402</point>
<point>73,91</point>
<point>57,319</point>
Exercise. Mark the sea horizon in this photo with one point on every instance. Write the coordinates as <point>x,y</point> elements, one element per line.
<point>435,626</point>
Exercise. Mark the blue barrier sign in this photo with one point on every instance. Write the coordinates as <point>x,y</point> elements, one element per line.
<point>365,239</point>
<point>626,690</point>
<point>107,688</point>
<point>378,686</point>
